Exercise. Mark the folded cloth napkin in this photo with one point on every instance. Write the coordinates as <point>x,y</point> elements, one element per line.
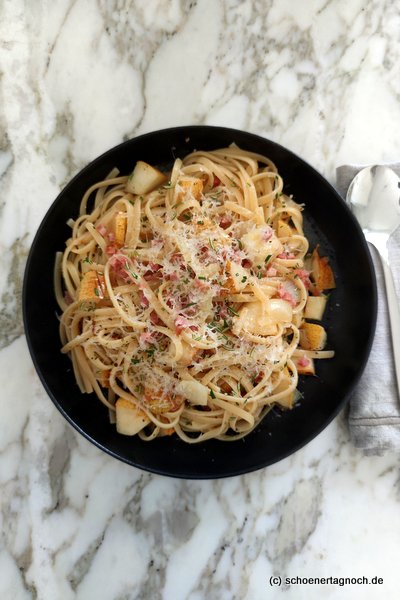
<point>374,414</point>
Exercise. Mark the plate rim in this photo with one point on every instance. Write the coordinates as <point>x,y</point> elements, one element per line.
<point>373,299</point>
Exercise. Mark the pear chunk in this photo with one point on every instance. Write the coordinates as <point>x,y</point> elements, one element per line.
<point>144,179</point>
<point>129,418</point>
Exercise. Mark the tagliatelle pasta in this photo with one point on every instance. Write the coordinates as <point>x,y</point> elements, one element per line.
<point>189,300</point>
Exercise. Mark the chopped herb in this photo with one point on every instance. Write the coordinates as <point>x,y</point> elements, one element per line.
<point>240,244</point>
<point>190,304</point>
<point>200,222</point>
<point>87,260</point>
<point>233,311</point>
<point>134,275</point>
<point>213,396</point>
<point>201,277</point>
<point>96,291</point>
<point>150,352</point>
<point>214,325</point>
<point>227,325</point>
<point>135,361</point>
<point>232,182</point>
<point>197,337</point>
<point>211,244</point>
<point>244,278</point>
<point>259,275</point>
<point>187,216</point>
<point>267,258</point>
<point>89,306</point>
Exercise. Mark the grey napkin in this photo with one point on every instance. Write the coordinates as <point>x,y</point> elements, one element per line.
<point>374,415</point>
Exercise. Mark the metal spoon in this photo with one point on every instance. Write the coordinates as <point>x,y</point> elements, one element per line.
<point>374,196</point>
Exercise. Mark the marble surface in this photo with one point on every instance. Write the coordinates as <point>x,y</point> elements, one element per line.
<point>77,77</point>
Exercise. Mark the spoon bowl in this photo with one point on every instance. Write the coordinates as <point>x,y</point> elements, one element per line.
<point>374,196</point>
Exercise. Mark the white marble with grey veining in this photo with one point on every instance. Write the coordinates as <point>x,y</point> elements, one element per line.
<point>77,77</point>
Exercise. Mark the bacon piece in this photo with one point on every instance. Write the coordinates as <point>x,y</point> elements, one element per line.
<point>118,265</point>
<point>151,276</point>
<point>285,294</point>
<point>201,285</point>
<point>153,272</point>
<point>225,222</point>
<point>286,255</point>
<point>157,243</point>
<point>222,311</point>
<point>258,378</point>
<point>304,276</point>
<point>172,276</point>
<point>271,272</point>
<point>102,229</point>
<point>144,303</point>
<point>146,338</point>
<point>68,298</point>
<point>267,233</point>
<point>180,324</point>
<point>303,361</point>
<point>305,365</point>
<point>111,249</point>
<point>154,318</point>
<point>177,258</point>
<point>154,266</point>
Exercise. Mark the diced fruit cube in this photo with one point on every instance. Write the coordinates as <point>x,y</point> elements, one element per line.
<point>129,418</point>
<point>312,336</point>
<point>144,179</point>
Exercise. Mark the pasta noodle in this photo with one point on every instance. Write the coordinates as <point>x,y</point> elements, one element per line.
<point>185,304</point>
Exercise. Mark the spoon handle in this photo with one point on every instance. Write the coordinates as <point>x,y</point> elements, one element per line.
<point>394,317</point>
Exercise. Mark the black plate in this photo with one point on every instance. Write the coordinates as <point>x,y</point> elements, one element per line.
<point>350,318</point>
